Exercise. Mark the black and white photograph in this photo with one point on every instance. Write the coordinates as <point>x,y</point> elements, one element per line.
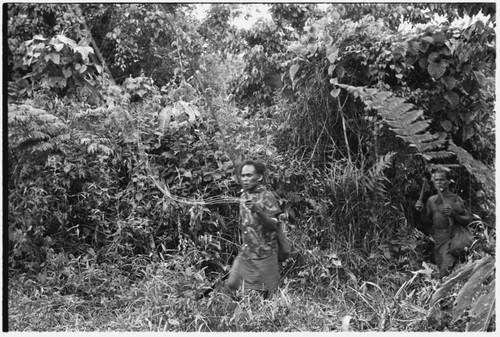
<point>243,167</point>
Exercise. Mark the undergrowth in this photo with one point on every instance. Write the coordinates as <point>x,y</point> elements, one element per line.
<point>317,293</point>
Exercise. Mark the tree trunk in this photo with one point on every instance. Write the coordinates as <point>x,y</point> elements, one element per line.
<point>94,45</point>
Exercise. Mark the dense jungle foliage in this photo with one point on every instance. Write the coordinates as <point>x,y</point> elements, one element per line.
<point>126,121</point>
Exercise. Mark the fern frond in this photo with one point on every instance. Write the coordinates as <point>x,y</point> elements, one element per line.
<point>43,148</point>
<point>430,146</point>
<point>55,128</point>
<point>62,138</point>
<point>433,155</point>
<point>104,149</point>
<point>421,138</point>
<point>404,119</point>
<point>18,119</point>
<point>481,171</point>
<point>395,108</point>
<point>411,126</point>
<point>383,163</point>
<point>92,148</point>
<point>37,135</point>
<point>103,140</point>
<point>376,176</point>
<point>412,129</point>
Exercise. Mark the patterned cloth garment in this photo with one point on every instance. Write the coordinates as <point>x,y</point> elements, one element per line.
<point>257,242</point>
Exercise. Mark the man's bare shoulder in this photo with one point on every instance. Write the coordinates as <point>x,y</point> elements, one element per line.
<point>433,198</point>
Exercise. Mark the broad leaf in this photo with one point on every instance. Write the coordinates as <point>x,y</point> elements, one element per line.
<point>439,38</point>
<point>84,51</point>
<point>432,57</point>
<point>312,48</point>
<point>293,71</point>
<point>423,63</point>
<point>191,110</point>
<point>453,98</point>
<point>67,73</point>
<point>331,68</point>
<point>332,53</point>
<point>469,290</point>
<point>335,93</point>
<point>67,41</point>
<point>449,82</point>
<point>340,71</point>
<point>58,46</point>
<point>436,70</point>
<point>482,310</point>
<point>414,47</point>
<point>82,69</point>
<point>53,81</point>
<point>39,38</point>
<point>428,39</point>
<point>480,77</point>
<point>55,58</point>
<point>446,124</point>
<point>457,276</point>
<point>98,68</point>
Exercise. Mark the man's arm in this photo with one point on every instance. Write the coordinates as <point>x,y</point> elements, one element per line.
<point>269,223</point>
<point>266,212</point>
<point>425,213</point>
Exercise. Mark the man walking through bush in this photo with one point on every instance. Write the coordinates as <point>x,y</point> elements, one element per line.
<point>256,266</point>
<point>443,215</point>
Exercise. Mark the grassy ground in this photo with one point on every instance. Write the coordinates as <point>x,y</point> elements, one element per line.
<point>139,295</point>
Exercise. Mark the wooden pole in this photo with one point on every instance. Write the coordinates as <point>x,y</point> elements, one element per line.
<point>444,201</point>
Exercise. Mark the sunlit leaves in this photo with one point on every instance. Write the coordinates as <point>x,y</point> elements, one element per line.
<point>53,62</point>
<point>293,71</point>
<point>331,53</point>
<point>84,51</point>
<point>55,58</point>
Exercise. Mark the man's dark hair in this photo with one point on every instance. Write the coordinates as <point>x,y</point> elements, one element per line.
<point>260,168</point>
<point>442,169</point>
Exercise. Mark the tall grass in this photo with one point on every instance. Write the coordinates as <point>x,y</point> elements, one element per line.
<point>72,294</point>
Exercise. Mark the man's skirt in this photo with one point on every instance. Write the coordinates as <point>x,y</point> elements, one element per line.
<point>443,257</point>
<point>262,274</point>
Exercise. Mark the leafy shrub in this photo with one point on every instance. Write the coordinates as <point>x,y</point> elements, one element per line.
<point>474,304</point>
<point>61,65</point>
<point>36,197</point>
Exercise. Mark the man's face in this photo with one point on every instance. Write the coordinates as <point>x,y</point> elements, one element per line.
<point>249,178</point>
<point>440,181</point>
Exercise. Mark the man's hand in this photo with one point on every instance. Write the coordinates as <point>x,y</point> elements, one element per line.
<point>448,210</point>
<point>419,206</point>
<point>253,206</point>
<point>268,222</point>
